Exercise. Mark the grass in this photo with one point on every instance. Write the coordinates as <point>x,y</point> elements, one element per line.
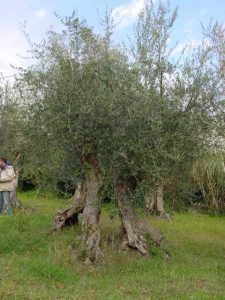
<point>35,265</point>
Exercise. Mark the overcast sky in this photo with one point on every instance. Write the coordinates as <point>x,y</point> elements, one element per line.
<point>39,17</point>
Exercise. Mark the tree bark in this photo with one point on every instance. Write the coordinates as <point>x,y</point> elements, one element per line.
<point>136,231</point>
<point>15,202</point>
<point>69,216</point>
<point>150,202</point>
<point>87,202</point>
<point>13,197</point>
<point>154,202</point>
<point>91,214</point>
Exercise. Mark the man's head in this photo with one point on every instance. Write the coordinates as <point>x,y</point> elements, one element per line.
<point>3,161</point>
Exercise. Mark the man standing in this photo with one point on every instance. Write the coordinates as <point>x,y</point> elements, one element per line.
<point>6,185</point>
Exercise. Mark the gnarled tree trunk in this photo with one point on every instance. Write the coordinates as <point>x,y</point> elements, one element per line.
<point>15,202</point>
<point>136,231</point>
<point>91,214</point>
<point>86,201</point>
<point>69,216</point>
<point>155,203</point>
<point>13,196</point>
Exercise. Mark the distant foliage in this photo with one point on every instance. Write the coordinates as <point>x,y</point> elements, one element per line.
<point>209,178</point>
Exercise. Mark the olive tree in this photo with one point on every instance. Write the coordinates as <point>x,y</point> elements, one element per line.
<point>86,123</point>
<point>187,103</point>
<point>96,117</point>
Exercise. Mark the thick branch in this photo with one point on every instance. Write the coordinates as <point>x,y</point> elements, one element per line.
<point>69,216</point>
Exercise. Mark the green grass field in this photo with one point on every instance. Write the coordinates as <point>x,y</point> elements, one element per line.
<point>35,265</point>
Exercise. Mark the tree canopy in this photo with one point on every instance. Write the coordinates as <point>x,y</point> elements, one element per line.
<point>141,111</point>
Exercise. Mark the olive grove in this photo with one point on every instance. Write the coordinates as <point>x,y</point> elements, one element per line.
<point>98,115</point>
